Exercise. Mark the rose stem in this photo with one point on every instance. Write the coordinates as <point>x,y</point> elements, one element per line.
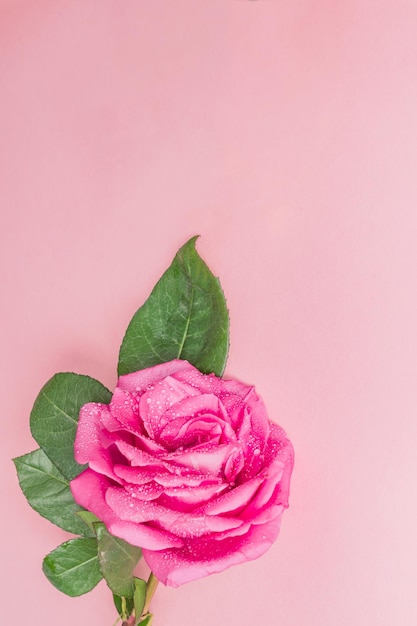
<point>151,586</point>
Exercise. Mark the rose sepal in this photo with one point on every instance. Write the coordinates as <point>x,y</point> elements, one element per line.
<point>117,560</point>
<point>147,620</point>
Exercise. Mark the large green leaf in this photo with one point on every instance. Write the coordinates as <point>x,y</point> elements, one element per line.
<point>54,417</point>
<point>48,492</point>
<point>73,567</point>
<point>117,560</point>
<point>185,317</point>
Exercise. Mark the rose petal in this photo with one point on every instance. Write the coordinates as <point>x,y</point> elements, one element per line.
<point>210,384</point>
<point>273,491</point>
<point>234,465</point>
<point>207,459</point>
<point>194,404</point>
<point>204,556</point>
<point>178,477</point>
<point>143,536</point>
<point>180,498</point>
<point>141,458</point>
<point>87,438</point>
<point>265,492</point>
<point>267,514</point>
<point>92,443</point>
<point>139,381</point>
<point>124,409</point>
<point>157,399</point>
<point>89,491</point>
<point>128,508</point>
<point>188,426</point>
<point>234,500</point>
<point>146,492</point>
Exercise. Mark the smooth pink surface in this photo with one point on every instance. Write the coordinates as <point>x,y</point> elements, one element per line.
<point>285,134</point>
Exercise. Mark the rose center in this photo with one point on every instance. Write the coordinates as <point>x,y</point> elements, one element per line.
<point>192,432</point>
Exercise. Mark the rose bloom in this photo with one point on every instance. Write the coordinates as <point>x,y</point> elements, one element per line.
<point>186,466</point>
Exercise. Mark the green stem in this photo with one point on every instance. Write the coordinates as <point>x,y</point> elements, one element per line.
<point>151,586</point>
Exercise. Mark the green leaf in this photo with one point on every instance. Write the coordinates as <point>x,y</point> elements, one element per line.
<point>185,317</point>
<point>88,518</point>
<point>139,597</point>
<point>117,560</point>
<point>147,620</point>
<point>124,606</point>
<point>48,492</point>
<point>54,417</point>
<point>73,567</point>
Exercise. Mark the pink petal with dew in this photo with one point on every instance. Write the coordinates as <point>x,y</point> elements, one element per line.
<point>110,423</point>
<point>194,463</point>
<point>183,477</point>
<point>274,491</point>
<point>260,424</point>
<point>87,438</point>
<point>177,477</point>
<point>204,556</point>
<point>180,498</point>
<point>194,404</point>
<point>147,492</point>
<point>202,430</point>
<point>89,491</point>
<point>207,459</point>
<point>264,495</point>
<point>211,384</point>
<point>234,464</point>
<point>143,536</point>
<point>141,458</point>
<point>92,442</point>
<point>124,409</point>
<point>243,426</point>
<point>268,514</point>
<point>147,444</point>
<point>131,509</point>
<point>234,500</point>
<point>139,381</point>
<point>285,455</point>
<point>234,532</point>
<point>157,399</point>
<point>133,475</point>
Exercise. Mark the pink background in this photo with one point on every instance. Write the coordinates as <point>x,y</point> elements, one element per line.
<point>285,133</point>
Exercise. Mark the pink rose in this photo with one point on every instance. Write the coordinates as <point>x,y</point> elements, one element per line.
<point>187,466</point>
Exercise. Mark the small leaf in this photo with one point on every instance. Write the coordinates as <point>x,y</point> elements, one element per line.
<point>54,417</point>
<point>73,567</point>
<point>117,560</point>
<point>147,620</point>
<point>139,597</point>
<point>48,492</point>
<point>185,317</point>
<point>124,606</point>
